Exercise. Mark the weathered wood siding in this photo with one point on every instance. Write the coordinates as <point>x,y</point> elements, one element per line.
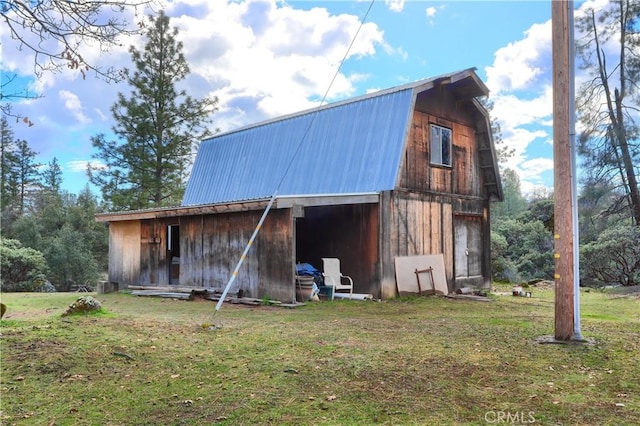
<point>211,246</point>
<point>348,232</point>
<point>468,249</point>
<point>414,224</point>
<point>154,261</point>
<point>433,209</point>
<point>439,209</point>
<point>124,252</point>
<point>472,262</point>
<point>417,173</point>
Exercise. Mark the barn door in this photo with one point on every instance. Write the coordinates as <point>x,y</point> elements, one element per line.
<point>468,248</point>
<point>173,253</point>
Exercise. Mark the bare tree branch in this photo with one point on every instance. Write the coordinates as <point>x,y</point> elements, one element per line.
<point>56,31</point>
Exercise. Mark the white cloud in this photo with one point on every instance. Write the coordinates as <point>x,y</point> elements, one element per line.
<point>74,105</point>
<point>261,58</point>
<point>395,5</point>
<point>268,59</point>
<point>523,122</point>
<point>522,64</point>
<point>521,88</point>
<point>532,173</point>
<point>535,166</point>
<point>430,12</point>
<point>80,166</point>
<point>513,111</point>
<point>520,80</point>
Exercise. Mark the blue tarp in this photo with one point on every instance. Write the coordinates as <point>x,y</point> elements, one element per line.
<point>307,269</point>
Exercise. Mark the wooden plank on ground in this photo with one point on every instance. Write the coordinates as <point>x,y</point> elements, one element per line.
<point>469,297</point>
<point>175,289</point>
<point>151,293</point>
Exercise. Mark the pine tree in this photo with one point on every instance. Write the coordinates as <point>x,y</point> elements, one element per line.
<point>514,203</point>
<point>8,166</point>
<point>49,201</point>
<point>158,127</point>
<point>52,177</point>
<point>607,102</point>
<point>28,177</point>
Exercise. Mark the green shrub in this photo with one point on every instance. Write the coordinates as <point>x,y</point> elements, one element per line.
<point>70,259</point>
<point>614,258</point>
<point>19,266</point>
<point>521,251</point>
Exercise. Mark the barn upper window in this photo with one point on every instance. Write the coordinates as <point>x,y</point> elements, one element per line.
<point>440,145</point>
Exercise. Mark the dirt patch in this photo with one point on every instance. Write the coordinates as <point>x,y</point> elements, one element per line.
<point>19,315</point>
<point>630,291</point>
<point>24,350</point>
<point>37,356</point>
<point>544,284</point>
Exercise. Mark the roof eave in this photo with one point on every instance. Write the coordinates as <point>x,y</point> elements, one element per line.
<point>288,201</point>
<point>468,79</point>
<point>497,194</point>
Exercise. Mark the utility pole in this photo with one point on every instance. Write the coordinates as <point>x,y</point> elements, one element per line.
<point>563,212</point>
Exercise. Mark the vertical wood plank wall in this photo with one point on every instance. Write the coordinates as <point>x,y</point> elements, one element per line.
<point>418,217</point>
<point>462,178</point>
<point>124,252</point>
<point>154,262</point>
<point>414,224</point>
<point>211,246</point>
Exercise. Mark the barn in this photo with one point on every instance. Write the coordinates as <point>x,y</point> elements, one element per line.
<point>410,170</point>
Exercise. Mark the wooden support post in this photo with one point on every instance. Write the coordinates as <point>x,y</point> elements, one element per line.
<point>563,233</point>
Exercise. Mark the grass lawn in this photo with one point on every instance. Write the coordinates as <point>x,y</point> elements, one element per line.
<point>419,361</point>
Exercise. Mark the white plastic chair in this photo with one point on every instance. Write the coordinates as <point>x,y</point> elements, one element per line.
<point>333,277</point>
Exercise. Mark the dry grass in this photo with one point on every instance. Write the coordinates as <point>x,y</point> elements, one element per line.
<point>403,362</point>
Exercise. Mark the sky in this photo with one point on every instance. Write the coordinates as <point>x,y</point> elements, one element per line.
<point>266,58</point>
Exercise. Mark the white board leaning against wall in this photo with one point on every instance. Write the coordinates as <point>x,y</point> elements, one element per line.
<point>423,274</point>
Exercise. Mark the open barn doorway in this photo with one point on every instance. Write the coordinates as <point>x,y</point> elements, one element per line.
<point>348,232</point>
<point>173,253</point>
<point>313,235</point>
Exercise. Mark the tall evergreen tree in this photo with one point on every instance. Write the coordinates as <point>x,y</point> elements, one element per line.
<point>28,177</point>
<point>8,166</point>
<point>158,127</point>
<point>49,201</point>
<point>607,102</point>
<point>601,205</point>
<point>52,176</point>
<point>81,216</point>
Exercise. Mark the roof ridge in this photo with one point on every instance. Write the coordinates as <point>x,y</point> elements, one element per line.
<point>359,98</point>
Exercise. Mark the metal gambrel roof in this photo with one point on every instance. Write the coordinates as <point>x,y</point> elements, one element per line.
<point>353,146</point>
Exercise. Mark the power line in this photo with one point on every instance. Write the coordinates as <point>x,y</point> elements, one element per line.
<point>234,274</point>
<point>324,97</point>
